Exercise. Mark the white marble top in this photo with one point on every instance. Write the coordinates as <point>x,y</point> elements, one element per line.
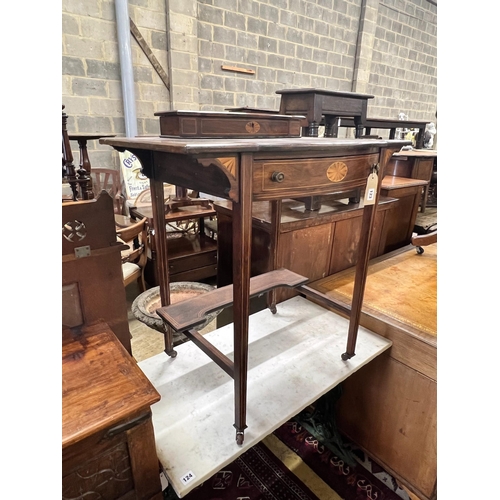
<point>294,358</point>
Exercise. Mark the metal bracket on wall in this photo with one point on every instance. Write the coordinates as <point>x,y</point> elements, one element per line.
<point>149,54</point>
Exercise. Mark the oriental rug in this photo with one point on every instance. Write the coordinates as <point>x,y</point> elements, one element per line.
<point>292,464</point>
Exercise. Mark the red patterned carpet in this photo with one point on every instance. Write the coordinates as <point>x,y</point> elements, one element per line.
<point>292,464</point>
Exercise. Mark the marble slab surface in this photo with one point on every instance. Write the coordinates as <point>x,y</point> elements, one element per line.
<point>294,358</point>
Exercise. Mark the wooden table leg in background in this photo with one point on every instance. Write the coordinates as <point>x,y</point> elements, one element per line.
<point>275,225</point>
<point>158,204</point>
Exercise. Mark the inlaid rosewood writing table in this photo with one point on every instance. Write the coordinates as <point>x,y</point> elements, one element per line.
<point>246,170</point>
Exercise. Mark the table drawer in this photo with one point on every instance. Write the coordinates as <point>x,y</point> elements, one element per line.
<point>281,177</point>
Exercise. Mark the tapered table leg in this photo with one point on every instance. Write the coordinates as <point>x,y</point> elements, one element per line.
<point>242,238</point>
<point>158,205</point>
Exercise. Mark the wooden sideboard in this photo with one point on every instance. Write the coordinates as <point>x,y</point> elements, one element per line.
<point>108,445</point>
<point>388,407</point>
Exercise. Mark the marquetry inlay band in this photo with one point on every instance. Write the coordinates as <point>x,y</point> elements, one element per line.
<point>337,171</point>
<point>252,127</point>
<point>229,164</point>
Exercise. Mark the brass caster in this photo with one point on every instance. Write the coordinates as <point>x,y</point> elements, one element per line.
<point>240,436</point>
<point>346,356</point>
<point>172,353</point>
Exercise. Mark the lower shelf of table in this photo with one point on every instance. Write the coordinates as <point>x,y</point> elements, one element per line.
<point>294,358</point>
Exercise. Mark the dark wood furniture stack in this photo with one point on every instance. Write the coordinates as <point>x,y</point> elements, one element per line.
<point>79,180</point>
<point>108,447</point>
<point>246,170</point>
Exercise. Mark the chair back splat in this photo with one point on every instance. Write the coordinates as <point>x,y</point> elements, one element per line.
<point>134,259</point>
<point>107,179</point>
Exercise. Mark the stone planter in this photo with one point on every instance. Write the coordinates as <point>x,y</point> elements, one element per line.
<point>145,305</point>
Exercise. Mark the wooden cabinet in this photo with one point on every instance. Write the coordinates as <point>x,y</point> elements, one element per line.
<point>108,445</point>
<point>415,164</point>
<point>400,224</point>
<point>310,243</point>
<point>191,257</point>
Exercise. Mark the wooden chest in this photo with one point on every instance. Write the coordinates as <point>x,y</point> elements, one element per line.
<point>108,445</point>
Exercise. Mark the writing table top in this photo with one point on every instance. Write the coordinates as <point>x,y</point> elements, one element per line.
<point>214,146</point>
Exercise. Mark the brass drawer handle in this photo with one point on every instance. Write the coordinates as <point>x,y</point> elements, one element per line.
<point>277,176</point>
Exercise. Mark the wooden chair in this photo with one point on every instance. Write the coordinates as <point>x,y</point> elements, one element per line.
<point>107,179</point>
<point>134,259</point>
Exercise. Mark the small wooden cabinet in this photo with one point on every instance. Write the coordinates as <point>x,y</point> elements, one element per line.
<point>401,222</point>
<point>108,445</point>
<point>191,257</point>
<point>415,164</point>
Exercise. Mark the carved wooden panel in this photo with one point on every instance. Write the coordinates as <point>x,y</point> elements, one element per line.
<point>106,477</point>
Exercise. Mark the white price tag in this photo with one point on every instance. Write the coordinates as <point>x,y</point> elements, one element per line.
<point>187,477</point>
<point>371,189</point>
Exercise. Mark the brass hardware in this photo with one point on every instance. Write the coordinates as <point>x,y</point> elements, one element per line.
<point>277,176</point>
